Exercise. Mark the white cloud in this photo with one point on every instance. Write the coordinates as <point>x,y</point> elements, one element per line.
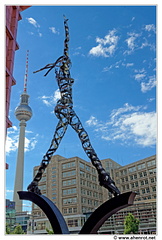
<point>33,22</point>
<point>13,139</point>
<point>108,39</point>
<point>50,100</point>
<point>150,27</point>
<point>56,96</point>
<point>139,76</point>
<point>53,30</point>
<point>106,46</point>
<point>129,64</point>
<point>129,125</point>
<point>130,42</point>
<point>30,143</point>
<point>147,86</point>
<point>92,121</point>
<point>9,191</point>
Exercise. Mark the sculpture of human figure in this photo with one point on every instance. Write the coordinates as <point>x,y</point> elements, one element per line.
<point>67,116</point>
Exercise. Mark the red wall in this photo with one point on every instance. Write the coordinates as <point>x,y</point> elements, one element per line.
<point>12,18</point>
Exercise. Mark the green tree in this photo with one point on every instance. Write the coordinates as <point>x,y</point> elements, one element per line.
<point>49,231</point>
<point>131,224</point>
<point>18,230</point>
<point>8,230</point>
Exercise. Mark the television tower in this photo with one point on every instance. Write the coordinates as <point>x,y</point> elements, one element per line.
<point>23,113</point>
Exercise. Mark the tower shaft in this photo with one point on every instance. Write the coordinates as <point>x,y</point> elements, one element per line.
<point>23,113</point>
<point>20,167</point>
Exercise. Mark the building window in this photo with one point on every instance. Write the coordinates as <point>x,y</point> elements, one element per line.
<point>136,184</point>
<point>89,202</point>
<point>131,177</point>
<point>69,191</point>
<point>43,179</point>
<point>154,189</point>
<point>81,165</point>
<point>143,191</point>
<point>142,183</point>
<point>152,180</point>
<point>141,166</point>
<point>132,169</point>
<point>94,178</point>
<point>69,200</point>
<point>74,210</point>
<point>88,175</point>
<point>151,163</point>
<point>117,174</point>
<point>69,173</point>
<point>69,182</point>
<point>65,210</point>
<point>82,173</point>
<point>147,190</point>
<point>72,222</point>
<point>127,186</point>
<point>68,165</point>
<point>88,168</point>
<point>42,187</point>
<point>83,191</point>
<point>152,171</point>
<point>144,174</point>
<point>70,210</point>
<point>146,181</point>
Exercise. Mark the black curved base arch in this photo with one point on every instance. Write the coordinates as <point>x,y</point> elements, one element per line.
<point>106,210</point>
<point>93,223</point>
<point>49,208</point>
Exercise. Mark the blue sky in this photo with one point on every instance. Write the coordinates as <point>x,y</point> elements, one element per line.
<point>113,54</point>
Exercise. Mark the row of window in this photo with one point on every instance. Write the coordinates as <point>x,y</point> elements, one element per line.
<point>69,200</point>
<point>89,184</point>
<point>89,201</point>
<point>69,182</point>
<point>145,198</point>
<point>70,210</point>
<point>135,176</point>
<point>69,191</point>
<point>136,184</point>
<point>72,222</point>
<point>89,193</point>
<point>86,167</point>
<point>88,176</point>
<point>138,167</point>
<point>87,209</point>
<point>69,173</point>
<point>68,165</point>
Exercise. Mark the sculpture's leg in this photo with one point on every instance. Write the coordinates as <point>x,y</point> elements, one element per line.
<point>106,210</point>
<point>58,135</point>
<point>104,178</point>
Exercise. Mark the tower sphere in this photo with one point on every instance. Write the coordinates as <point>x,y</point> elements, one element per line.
<point>23,111</point>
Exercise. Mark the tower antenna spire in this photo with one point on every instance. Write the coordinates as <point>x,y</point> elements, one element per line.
<point>26,72</point>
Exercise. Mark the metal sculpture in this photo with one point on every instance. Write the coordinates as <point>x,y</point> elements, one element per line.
<point>65,113</point>
<point>93,223</point>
